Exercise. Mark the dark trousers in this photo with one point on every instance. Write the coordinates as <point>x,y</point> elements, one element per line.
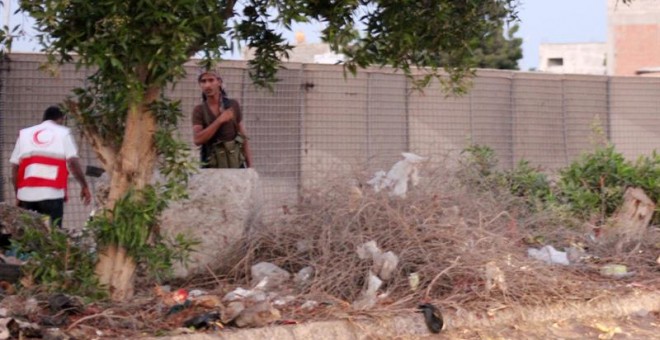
<point>53,208</point>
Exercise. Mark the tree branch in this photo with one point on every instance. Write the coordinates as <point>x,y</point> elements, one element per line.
<point>105,153</point>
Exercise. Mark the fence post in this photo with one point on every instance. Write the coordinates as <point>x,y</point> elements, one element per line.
<point>608,109</point>
<point>512,106</point>
<point>4,60</point>
<point>563,119</point>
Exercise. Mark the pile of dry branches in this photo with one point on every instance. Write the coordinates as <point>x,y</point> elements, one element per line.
<point>468,247</point>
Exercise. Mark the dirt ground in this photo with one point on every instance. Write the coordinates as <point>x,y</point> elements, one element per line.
<point>639,326</point>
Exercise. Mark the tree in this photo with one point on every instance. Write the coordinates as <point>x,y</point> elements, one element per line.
<point>490,49</point>
<point>138,47</point>
<point>495,49</point>
<point>499,51</point>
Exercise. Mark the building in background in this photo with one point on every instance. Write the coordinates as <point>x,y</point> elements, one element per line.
<point>633,38</point>
<point>579,58</point>
<point>315,53</point>
<point>632,47</point>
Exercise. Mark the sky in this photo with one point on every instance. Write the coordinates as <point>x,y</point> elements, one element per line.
<point>541,21</point>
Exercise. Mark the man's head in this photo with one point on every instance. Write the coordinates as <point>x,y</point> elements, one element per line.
<point>55,114</point>
<point>211,83</point>
<point>209,73</point>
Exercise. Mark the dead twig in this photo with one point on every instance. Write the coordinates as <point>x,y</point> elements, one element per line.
<point>428,289</point>
<point>217,280</point>
<point>93,316</point>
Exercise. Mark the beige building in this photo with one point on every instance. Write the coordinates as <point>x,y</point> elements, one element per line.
<point>308,53</point>
<point>632,47</point>
<point>580,58</point>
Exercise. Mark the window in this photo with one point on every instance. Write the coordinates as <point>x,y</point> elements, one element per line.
<point>553,62</point>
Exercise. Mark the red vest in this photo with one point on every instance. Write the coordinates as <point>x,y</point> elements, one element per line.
<point>42,171</point>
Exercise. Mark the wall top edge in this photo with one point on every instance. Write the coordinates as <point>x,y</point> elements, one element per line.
<point>489,73</point>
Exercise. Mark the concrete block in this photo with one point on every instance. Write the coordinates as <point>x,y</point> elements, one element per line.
<point>222,204</point>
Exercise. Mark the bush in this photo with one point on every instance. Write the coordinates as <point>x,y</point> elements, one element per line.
<point>479,168</point>
<point>591,187</point>
<point>55,263</point>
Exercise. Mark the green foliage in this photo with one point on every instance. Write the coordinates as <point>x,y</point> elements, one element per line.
<point>174,154</point>
<point>7,35</point>
<point>132,224</point>
<point>647,176</point>
<point>479,168</point>
<point>481,158</point>
<point>498,51</point>
<point>526,181</point>
<point>158,257</point>
<point>591,187</point>
<point>454,36</point>
<point>147,42</point>
<point>56,263</point>
<point>594,184</point>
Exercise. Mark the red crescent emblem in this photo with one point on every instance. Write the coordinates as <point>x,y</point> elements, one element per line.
<point>39,142</point>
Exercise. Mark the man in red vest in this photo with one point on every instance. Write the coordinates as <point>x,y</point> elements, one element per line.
<point>41,161</point>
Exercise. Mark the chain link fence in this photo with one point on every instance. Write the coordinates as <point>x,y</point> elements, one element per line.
<point>318,124</point>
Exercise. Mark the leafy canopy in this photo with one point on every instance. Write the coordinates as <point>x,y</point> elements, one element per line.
<point>145,42</point>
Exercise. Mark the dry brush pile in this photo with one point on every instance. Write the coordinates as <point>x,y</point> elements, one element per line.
<point>468,247</point>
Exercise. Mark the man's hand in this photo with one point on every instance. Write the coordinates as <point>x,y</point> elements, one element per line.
<point>85,195</point>
<point>226,115</point>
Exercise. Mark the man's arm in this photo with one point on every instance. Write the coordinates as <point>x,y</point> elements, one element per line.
<point>74,165</point>
<point>14,180</point>
<point>202,135</point>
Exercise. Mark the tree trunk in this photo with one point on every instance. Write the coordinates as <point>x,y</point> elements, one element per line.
<point>116,270</point>
<point>133,168</point>
<point>105,264</point>
<point>137,156</point>
<point>629,224</point>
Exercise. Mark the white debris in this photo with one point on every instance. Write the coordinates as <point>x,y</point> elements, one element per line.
<point>384,264</point>
<point>368,250</point>
<point>274,275</point>
<point>369,297</point>
<point>549,254</point>
<point>388,262</point>
<point>309,305</point>
<point>283,301</point>
<point>399,175</point>
<point>237,294</point>
<point>303,276</point>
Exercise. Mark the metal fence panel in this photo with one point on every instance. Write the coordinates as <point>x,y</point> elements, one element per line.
<point>585,104</point>
<point>539,120</point>
<point>491,114</point>
<point>318,124</point>
<point>635,115</point>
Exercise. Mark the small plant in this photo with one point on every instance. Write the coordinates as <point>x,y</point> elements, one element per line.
<point>56,263</point>
<point>481,158</point>
<point>132,223</point>
<point>479,168</point>
<point>593,186</point>
<point>529,183</point>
